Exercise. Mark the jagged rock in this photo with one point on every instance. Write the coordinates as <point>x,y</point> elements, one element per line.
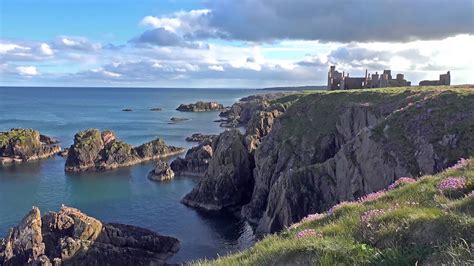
<point>199,137</point>
<point>228,180</point>
<point>196,161</point>
<point>93,150</point>
<point>162,172</point>
<point>22,145</point>
<point>200,107</point>
<point>70,237</point>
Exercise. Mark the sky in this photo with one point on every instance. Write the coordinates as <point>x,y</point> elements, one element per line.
<point>231,43</point>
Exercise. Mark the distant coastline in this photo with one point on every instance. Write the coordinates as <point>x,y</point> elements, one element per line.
<point>295,88</point>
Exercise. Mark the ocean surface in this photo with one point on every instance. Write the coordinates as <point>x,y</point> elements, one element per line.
<point>124,195</point>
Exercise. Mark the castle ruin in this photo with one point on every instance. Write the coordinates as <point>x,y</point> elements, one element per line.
<point>444,80</point>
<point>341,81</point>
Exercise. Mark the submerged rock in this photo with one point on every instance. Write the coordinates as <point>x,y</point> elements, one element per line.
<point>156,109</point>
<point>228,181</point>
<point>175,120</point>
<point>22,145</point>
<point>127,110</point>
<point>162,172</point>
<point>70,237</point>
<point>201,107</point>
<point>93,150</point>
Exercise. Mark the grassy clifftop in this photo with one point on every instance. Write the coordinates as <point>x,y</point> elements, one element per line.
<point>429,220</point>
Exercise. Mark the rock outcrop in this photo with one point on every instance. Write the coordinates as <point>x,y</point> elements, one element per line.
<point>161,172</point>
<point>70,237</point>
<point>22,145</point>
<point>228,181</point>
<point>93,150</point>
<point>195,162</point>
<point>175,120</point>
<point>200,107</point>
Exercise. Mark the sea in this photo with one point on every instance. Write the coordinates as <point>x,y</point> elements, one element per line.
<point>123,195</point>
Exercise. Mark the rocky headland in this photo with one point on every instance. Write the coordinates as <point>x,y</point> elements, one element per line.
<point>201,107</point>
<point>97,151</point>
<point>70,237</point>
<point>23,145</point>
<point>304,153</point>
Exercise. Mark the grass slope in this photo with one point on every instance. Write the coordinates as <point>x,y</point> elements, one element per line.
<point>413,223</point>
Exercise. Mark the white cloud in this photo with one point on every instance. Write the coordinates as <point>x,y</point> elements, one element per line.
<point>216,68</point>
<point>170,24</point>
<point>46,49</point>
<point>27,71</point>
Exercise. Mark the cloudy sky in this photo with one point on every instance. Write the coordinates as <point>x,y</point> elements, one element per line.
<point>230,43</point>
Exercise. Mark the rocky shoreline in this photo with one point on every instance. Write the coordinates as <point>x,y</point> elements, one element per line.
<point>23,145</point>
<point>201,107</point>
<point>70,237</point>
<point>100,151</point>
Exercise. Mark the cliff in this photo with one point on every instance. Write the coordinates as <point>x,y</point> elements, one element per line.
<point>70,237</point>
<point>93,150</point>
<point>427,221</point>
<point>22,145</point>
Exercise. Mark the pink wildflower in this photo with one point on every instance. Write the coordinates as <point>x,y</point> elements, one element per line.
<point>369,215</point>
<point>371,197</point>
<point>452,183</point>
<point>471,195</point>
<point>460,164</point>
<point>309,218</point>
<point>401,180</point>
<point>339,205</point>
<point>308,233</point>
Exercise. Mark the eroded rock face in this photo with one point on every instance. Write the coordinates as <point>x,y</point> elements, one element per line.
<point>196,161</point>
<point>228,180</point>
<point>70,237</point>
<point>22,145</point>
<point>93,150</point>
<point>162,172</point>
<point>326,149</point>
<point>200,107</point>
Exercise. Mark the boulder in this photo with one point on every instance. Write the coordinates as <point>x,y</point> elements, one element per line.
<point>200,107</point>
<point>22,145</point>
<point>199,137</point>
<point>162,172</point>
<point>71,237</point>
<point>93,150</point>
<point>175,120</point>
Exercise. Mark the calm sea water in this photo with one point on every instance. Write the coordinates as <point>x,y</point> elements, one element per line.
<point>124,195</point>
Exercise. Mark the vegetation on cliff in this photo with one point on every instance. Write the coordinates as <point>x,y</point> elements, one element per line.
<point>427,221</point>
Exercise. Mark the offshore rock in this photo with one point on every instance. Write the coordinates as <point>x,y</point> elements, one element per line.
<point>96,151</point>
<point>199,137</point>
<point>162,172</point>
<point>70,237</point>
<point>196,161</point>
<point>22,145</point>
<point>201,107</point>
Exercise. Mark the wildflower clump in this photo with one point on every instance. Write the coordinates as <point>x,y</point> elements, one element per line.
<point>400,181</point>
<point>339,206</point>
<point>371,197</point>
<point>309,218</point>
<point>452,187</point>
<point>308,233</point>
<point>368,227</point>
<point>460,164</point>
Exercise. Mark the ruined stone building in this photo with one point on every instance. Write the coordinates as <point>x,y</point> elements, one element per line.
<point>444,80</point>
<point>341,81</point>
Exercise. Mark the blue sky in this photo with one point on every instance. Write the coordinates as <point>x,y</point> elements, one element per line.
<point>226,43</point>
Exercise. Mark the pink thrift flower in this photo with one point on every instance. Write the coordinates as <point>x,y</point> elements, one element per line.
<point>460,164</point>
<point>371,197</point>
<point>308,233</point>
<point>452,183</point>
<point>401,180</point>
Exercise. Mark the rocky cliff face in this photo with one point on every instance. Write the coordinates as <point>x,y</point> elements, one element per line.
<point>22,145</point>
<point>228,181</point>
<point>196,161</point>
<point>162,172</point>
<point>70,237</point>
<point>329,148</point>
<point>93,150</point>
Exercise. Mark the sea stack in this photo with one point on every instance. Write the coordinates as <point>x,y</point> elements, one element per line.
<point>201,107</point>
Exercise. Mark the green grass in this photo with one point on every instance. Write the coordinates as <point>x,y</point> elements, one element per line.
<point>19,136</point>
<point>432,229</point>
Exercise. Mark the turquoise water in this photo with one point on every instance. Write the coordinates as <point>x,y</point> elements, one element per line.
<point>124,195</point>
